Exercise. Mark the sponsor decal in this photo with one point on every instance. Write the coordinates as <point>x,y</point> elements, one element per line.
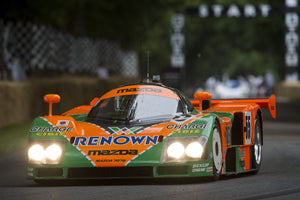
<point>51,129</point>
<point>187,131</point>
<point>110,160</point>
<point>62,123</point>
<point>50,134</point>
<point>200,167</point>
<point>186,126</point>
<point>119,140</point>
<point>119,160</point>
<point>199,170</point>
<point>242,153</point>
<point>104,160</point>
<point>140,89</point>
<point>228,134</point>
<point>209,169</point>
<point>112,152</point>
<point>124,131</point>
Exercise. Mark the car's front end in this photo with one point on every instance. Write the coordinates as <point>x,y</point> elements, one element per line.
<point>141,138</point>
<point>87,151</point>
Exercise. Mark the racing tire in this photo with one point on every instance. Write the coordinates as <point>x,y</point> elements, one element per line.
<point>216,151</point>
<point>256,150</point>
<point>50,182</point>
<point>43,182</point>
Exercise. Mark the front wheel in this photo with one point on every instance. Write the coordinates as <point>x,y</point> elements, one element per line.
<point>217,151</point>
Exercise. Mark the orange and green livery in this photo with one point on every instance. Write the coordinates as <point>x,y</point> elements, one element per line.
<point>148,130</point>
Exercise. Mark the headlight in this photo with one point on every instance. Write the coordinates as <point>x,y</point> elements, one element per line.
<point>36,152</point>
<point>194,150</point>
<point>181,149</point>
<point>53,152</point>
<point>175,150</point>
<point>45,153</point>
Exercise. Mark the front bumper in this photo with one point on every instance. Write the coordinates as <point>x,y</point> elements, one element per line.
<point>192,169</point>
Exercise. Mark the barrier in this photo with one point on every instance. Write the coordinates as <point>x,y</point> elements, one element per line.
<point>23,101</point>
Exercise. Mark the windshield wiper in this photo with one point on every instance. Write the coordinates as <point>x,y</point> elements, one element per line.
<point>129,116</point>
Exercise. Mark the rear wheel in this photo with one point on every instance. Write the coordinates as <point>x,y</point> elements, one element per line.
<point>217,151</point>
<point>257,147</point>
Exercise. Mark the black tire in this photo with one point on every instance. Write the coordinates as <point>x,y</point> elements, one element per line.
<point>256,150</point>
<point>49,182</point>
<point>43,182</point>
<point>216,151</point>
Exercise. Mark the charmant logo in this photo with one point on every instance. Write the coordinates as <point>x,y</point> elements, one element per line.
<point>139,90</point>
<point>187,126</point>
<point>110,140</point>
<point>51,129</point>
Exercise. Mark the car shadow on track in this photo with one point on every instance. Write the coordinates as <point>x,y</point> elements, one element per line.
<point>140,181</point>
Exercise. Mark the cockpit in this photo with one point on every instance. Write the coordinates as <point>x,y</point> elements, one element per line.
<point>139,104</point>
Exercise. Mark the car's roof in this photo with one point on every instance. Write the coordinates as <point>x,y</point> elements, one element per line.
<point>157,89</point>
<point>150,83</point>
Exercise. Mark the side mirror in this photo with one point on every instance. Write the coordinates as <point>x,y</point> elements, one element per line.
<point>51,98</point>
<point>201,96</point>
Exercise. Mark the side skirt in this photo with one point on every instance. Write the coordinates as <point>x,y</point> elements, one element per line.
<point>238,159</point>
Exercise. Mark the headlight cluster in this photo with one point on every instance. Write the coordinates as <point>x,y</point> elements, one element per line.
<point>183,149</point>
<point>43,153</point>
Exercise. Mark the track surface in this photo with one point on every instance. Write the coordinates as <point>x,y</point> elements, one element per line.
<point>279,177</point>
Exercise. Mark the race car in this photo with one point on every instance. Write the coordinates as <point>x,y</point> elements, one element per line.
<point>148,130</point>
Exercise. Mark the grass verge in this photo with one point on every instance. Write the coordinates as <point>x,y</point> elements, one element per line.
<point>13,137</point>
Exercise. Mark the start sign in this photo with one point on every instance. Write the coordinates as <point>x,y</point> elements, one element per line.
<point>234,10</point>
<point>246,11</point>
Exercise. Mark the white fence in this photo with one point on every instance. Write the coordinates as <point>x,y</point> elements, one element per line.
<point>42,47</point>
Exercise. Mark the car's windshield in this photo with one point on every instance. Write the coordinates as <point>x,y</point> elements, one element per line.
<point>135,107</point>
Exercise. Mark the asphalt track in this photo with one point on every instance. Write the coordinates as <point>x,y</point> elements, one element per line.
<point>279,177</point>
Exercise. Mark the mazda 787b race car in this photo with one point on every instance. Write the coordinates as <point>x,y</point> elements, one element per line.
<point>148,130</point>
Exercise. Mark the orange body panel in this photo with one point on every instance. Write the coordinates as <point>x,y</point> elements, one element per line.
<point>140,89</point>
<point>225,136</point>
<point>79,110</point>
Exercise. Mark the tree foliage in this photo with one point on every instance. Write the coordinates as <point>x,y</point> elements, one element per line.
<point>213,46</point>
<point>234,46</point>
<point>127,22</point>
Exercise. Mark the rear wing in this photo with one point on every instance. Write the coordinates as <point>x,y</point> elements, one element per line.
<point>269,103</point>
